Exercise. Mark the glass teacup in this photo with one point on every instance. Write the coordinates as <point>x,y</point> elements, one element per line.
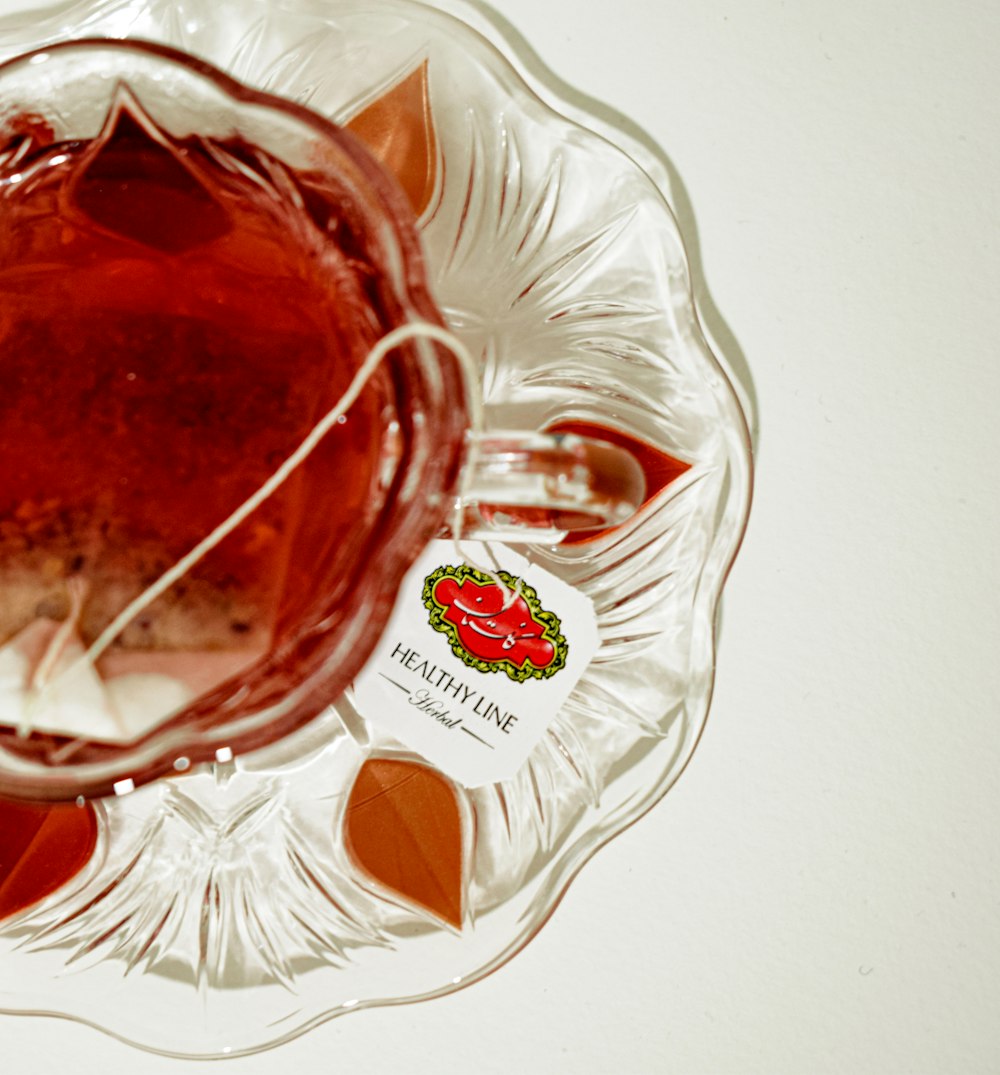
<point>192,274</point>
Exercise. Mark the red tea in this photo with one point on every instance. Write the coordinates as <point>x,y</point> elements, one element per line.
<point>42,848</point>
<point>174,319</point>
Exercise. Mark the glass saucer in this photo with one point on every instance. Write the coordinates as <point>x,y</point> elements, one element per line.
<point>228,909</point>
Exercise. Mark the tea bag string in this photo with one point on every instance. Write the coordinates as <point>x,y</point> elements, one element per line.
<point>414,330</point>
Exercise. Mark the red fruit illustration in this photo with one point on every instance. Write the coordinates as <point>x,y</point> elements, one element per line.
<point>522,639</point>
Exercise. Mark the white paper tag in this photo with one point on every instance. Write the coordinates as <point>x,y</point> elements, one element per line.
<point>462,681</point>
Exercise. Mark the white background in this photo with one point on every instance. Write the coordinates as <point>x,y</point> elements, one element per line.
<point>820,892</point>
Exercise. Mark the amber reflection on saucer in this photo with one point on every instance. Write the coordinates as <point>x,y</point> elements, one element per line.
<point>41,849</point>
<point>398,129</point>
<point>403,828</point>
<point>660,468</point>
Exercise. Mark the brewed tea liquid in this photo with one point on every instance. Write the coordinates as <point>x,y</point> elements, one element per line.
<point>172,324</point>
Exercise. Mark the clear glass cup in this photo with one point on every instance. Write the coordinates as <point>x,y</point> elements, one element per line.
<point>235,908</point>
<point>194,272</point>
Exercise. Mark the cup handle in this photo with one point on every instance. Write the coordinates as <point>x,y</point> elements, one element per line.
<point>538,487</point>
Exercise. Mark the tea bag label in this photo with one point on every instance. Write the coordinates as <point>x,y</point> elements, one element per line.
<point>470,672</point>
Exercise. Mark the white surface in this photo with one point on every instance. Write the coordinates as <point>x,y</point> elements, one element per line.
<point>820,892</point>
